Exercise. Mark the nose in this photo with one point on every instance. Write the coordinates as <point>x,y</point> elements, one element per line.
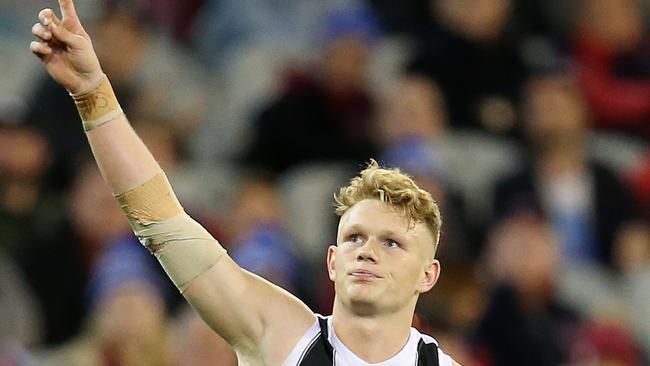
<point>367,252</point>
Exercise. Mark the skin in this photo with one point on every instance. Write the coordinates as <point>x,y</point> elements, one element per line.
<point>373,312</point>
<point>249,312</point>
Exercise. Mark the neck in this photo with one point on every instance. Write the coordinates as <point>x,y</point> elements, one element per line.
<point>376,337</point>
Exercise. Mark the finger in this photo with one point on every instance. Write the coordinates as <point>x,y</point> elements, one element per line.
<point>40,31</point>
<point>68,11</point>
<point>47,16</point>
<point>40,49</point>
<point>63,35</point>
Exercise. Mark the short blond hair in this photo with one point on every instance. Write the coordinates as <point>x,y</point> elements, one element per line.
<point>396,189</point>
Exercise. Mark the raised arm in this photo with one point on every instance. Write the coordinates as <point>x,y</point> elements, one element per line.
<point>260,320</point>
<point>66,51</point>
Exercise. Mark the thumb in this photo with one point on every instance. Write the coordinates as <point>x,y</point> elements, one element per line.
<point>63,35</point>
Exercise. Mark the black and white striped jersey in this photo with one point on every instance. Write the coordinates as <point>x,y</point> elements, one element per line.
<point>320,346</point>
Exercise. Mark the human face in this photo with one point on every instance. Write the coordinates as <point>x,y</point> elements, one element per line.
<point>132,314</point>
<point>555,111</point>
<point>380,264</point>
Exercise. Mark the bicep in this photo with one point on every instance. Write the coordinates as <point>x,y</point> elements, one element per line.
<point>247,310</point>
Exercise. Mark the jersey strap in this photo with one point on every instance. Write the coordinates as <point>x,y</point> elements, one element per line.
<point>319,352</point>
<point>428,354</point>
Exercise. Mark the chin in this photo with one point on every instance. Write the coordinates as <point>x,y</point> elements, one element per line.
<point>363,307</point>
<point>363,298</point>
<point>362,291</point>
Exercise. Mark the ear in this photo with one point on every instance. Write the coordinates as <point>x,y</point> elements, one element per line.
<point>331,258</point>
<point>429,276</point>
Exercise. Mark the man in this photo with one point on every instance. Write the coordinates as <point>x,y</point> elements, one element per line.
<point>383,260</point>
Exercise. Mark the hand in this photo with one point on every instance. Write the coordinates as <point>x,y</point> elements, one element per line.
<point>65,49</point>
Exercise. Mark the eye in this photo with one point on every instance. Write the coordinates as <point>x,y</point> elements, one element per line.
<point>392,243</point>
<point>355,238</point>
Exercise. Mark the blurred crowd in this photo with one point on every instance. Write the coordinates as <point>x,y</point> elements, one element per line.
<point>528,120</point>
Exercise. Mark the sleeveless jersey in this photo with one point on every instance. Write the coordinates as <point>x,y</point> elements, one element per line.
<point>320,346</point>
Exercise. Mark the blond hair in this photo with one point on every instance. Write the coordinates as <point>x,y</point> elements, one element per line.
<point>396,189</point>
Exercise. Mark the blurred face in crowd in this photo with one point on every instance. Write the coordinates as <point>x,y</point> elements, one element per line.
<point>414,108</point>
<point>619,23</point>
<point>381,264</point>
<point>23,154</point>
<point>257,203</point>
<point>129,325</point>
<point>477,20</point>
<point>133,312</point>
<point>120,43</point>
<point>93,211</point>
<point>524,253</point>
<point>632,247</point>
<point>555,112</point>
<point>345,64</point>
<point>201,346</point>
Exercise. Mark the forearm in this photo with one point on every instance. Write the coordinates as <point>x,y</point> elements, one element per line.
<point>184,248</point>
<point>123,159</point>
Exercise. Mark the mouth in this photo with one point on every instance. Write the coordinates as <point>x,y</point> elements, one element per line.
<point>364,275</point>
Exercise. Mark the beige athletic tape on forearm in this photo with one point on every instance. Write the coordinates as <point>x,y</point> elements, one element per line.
<point>151,201</point>
<point>97,105</point>
<point>188,250</point>
<point>183,247</point>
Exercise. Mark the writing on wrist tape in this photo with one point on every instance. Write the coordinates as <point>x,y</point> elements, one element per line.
<point>98,105</point>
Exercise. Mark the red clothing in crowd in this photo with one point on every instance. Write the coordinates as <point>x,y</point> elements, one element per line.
<point>616,101</point>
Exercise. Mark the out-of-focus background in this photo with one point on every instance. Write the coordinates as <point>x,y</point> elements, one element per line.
<point>529,121</point>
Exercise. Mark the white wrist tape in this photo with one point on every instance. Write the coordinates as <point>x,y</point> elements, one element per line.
<point>183,247</point>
